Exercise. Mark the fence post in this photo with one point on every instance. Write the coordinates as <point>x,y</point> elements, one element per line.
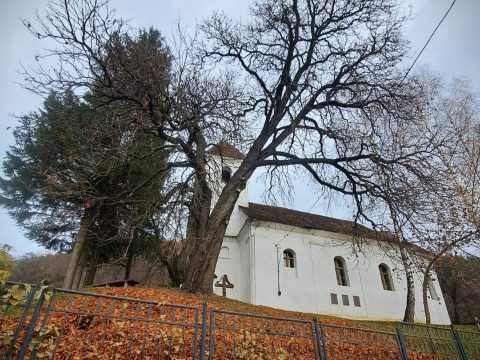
<point>195,337</point>
<point>401,344</point>
<point>16,334</point>
<point>33,321</point>
<point>204,331</point>
<point>458,343</point>
<point>318,339</point>
<point>210,338</point>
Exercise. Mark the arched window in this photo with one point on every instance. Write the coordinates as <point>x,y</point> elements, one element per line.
<point>386,277</point>
<point>224,252</point>
<point>289,258</point>
<point>226,173</point>
<point>341,271</point>
<point>431,289</point>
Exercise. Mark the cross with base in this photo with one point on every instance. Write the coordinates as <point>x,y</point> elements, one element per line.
<point>224,284</point>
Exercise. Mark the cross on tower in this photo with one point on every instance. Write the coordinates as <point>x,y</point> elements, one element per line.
<point>224,284</point>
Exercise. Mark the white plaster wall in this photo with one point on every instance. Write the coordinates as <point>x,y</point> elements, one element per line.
<point>237,266</point>
<point>307,288</point>
<point>230,266</point>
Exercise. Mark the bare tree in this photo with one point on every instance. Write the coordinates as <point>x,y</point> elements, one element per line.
<point>434,208</point>
<point>304,83</point>
<point>455,210</point>
<point>400,201</point>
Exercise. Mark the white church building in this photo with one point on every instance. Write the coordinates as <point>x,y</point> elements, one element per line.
<point>304,262</point>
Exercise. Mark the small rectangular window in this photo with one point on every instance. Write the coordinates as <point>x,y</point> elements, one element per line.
<point>345,300</point>
<point>356,301</point>
<point>334,298</point>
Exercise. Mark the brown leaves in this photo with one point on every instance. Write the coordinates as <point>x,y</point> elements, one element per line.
<point>96,326</point>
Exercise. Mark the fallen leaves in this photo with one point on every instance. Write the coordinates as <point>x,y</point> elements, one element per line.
<point>143,323</point>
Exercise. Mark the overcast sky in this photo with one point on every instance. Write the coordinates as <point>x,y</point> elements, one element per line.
<point>454,52</point>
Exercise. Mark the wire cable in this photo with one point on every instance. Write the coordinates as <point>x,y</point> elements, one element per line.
<point>428,41</point>
<point>285,236</point>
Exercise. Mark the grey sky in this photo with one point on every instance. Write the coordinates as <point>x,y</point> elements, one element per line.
<point>453,52</point>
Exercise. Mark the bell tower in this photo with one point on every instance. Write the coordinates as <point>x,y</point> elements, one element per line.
<point>224,160</point>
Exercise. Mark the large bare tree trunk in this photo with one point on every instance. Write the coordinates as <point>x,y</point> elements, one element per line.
<point>197,223</point>
<point>200,272</point>
<point>203,251</point>
<point>78,247</point>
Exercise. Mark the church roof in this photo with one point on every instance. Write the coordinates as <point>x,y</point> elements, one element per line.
<point>225,149</point>
<point>311,221</point>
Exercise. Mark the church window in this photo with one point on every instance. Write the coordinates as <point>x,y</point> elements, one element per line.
<point>289,258</point>
<point>334,298</point>
<point>341,271</point>
<point>226,174</point>
<point>431,289</point>
<point>386,277</point>
<point>345,300</point>
<point>356,300</point>
<point>224,252</point>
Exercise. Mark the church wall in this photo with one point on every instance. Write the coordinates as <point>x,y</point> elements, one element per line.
<point>237,266</point>
<point>392,303</point>
<point>308,286</point>
<point>229,263</point>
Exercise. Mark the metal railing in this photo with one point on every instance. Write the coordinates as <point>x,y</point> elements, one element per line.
<point>16,301</point>
<point>430,340</point>
<point>44,322</point>
<point>342,342</point>
<point>73,324</point>
<point>234,335</point>
<point>470,342</point>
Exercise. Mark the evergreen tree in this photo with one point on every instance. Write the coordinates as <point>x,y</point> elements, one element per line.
<point>82,173</point>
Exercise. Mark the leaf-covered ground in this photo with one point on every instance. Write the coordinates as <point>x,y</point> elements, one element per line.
<point>98,326</point>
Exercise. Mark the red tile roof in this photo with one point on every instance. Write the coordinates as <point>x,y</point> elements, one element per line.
<point>225,149</point>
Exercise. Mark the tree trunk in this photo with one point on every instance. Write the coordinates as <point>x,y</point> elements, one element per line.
<point>199,275</point>
<point>78,248</point>
<point>128,266</point>
<point>409,315</point>
<point>428,319</point>
<point>197,223</point>
<point>88,275</point>
<point>456,314</point>
<point>205,229</point>
<point>77,280</point>
<point>205,247</point>
<point>82,266</point>
<point>426,276</point>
